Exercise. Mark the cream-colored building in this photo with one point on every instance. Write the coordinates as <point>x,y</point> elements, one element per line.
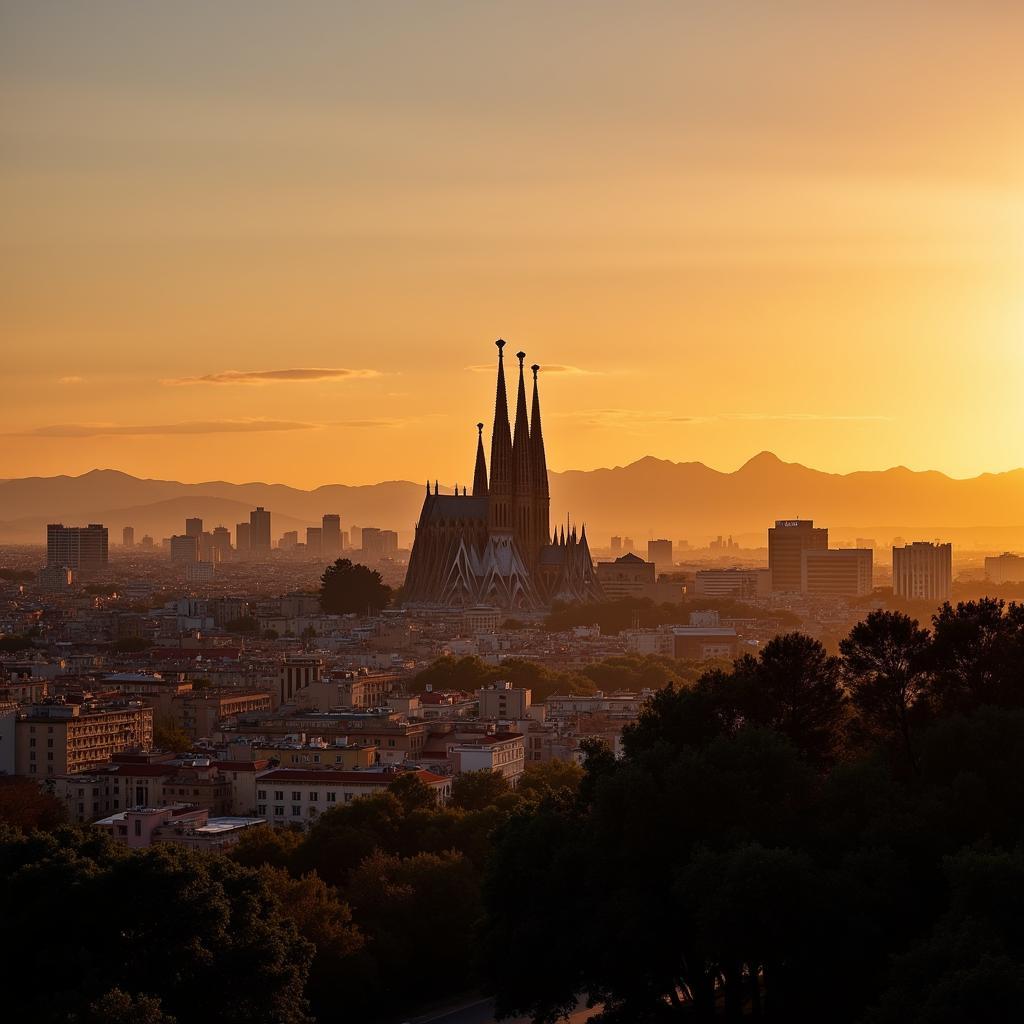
<point>502,700</point>
<point>298,796</point>
<point>55,739</point>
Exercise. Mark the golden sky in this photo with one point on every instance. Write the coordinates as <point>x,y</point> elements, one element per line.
<point>249,240</point>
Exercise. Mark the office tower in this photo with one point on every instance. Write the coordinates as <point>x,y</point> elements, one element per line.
<point>221,543</point>
<point>627,544</point>
<point>289,540</point>
<point>128,537</point>
<point>786,543</point>
<point>616,545</point>
<point>193,527</point>
<point>205,540</point>
<point>371,543</point>
<point>314,541</point>
<point>147,543</point>
<point>734,582</point>
<point>78,547</point>
<point>660,552</point>
<point>684,545</point>
<point>844,572</point>
<point>185,549</point>
<point>356,536</point>
<point>345,545</point>
<point>865,542</point>
<point>259,531</point>
<point>923,570</point>
<point>1005,568</point>
<point>330,536</point>
<point>388,543</point>
<point>242,545</point>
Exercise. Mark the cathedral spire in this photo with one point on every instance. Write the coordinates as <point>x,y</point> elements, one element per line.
<point>521,438</point>
<point>538,459</point>
<point>500,488</point>
<point>480,473</point>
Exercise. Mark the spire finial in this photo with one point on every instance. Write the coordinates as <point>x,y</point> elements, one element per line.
<point>428,487</point>
<point>535,368</point>
<point>520,356</point>
<point>480,429</point>
<point>501,344</point>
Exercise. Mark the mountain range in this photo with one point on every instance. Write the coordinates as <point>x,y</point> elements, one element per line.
<point>647,498</point>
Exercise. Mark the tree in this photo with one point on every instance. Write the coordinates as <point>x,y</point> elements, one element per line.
<point>227,955</point>
<point>473,791</point>
<point>266,845</point>
<point>544,778</point>
<point>347,587</point>
<point>793,686</point>
<point>130,645</point>
<point>25,806</point>
<point>120,1007</point>
<point>169,735</point>
<point>885,667</point>
<point>977,655</point>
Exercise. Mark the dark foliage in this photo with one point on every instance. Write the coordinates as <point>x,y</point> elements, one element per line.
<point>347,587</point>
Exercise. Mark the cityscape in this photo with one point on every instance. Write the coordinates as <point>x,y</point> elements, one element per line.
<point>667,668</point>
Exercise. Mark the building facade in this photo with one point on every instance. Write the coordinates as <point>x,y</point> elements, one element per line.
<point>923,570</point>
<point>787,541</point>
<point>78,547</point>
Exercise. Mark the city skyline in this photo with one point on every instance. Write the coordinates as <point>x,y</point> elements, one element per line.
<point>280,264</point>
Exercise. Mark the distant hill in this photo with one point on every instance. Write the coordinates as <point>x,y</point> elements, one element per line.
<point>650,497</point>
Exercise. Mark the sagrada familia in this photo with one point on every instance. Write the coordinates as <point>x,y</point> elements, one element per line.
<point>495,546</point>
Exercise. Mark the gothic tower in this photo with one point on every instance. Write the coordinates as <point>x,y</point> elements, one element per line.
<point>523,506</point>
<point>500,488</point>
<point>541,505</point>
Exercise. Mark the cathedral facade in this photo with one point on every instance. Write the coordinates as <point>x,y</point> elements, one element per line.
<point>495,546</point>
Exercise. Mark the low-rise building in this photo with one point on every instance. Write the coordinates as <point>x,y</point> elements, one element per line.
<point>181,824</point>
<point>297,796</point>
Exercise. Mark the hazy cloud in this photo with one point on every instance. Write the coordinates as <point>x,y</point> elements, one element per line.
<point>70,380</point>
<point>559,368</point>
<point>625,417</point>
<point>298,375</point>
<point>799,417</point>
<point>366,423</point>
<point>191,427</point>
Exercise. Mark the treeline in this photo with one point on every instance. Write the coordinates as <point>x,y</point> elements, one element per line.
<point>626,672</point>
<point>798,838</point>
<point>372,913</point>
<point>627,612</point>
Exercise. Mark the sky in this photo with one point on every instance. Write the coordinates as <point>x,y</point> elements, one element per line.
<point>264,241</point>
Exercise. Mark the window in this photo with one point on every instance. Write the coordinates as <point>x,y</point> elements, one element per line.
<point>296,811</point>
<point>261,794</point>
<point>332,798</point>
<point>348,796</point>
<point>296,795</point>
<point>49,743</point>
<point>314,796</point>
<point>261,810</point>
<point>278,794</point>
<point>278,811</point>
<point>138,828</point>
<point>32,755</point>
<point>49,755</point>
<point>32,743</point>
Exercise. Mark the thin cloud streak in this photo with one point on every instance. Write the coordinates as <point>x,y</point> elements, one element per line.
<point>154,429</point>
<point>71,380</point>
<point>633,417</point>
<point>558,368</point>
<point>297,375</point>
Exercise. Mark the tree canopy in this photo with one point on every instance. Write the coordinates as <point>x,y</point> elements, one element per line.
<point>347,587</point>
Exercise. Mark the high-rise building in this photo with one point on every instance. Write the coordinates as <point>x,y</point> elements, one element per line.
<point>128,537</point>
<point>786,543</point>
<point>206,553</point>
<point>660,553</point>
<point>259,531</point>
<point>242,539</point>
<point>627,544</point>
<point>289,540</point>
<point>345,545</point>
<point>844,572</point>
<point>371,543</point>
<point>732,582</point>
<point>147,543</point>
<point>923,570</point>
<point>1005,568</point>
<point>616,545</point>
<point>193,527</point>
<point>314,541</point>
<point>78,547</point>
<point>388,543</point>
<point>330,536</point>
<point>221,543</point>
<point>356,536</point>
<point>865,542</point>
<point>185,549</point>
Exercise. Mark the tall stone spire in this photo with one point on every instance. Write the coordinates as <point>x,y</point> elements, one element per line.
<point>538,459</point>
<point>523,511</point>
<point>540,501</point>
<point>500,489</point>
<point>480,473</point>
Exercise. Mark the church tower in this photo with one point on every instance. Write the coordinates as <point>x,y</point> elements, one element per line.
<point>541,503</point>
<point>523,506</point>
<point>500,489</point>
